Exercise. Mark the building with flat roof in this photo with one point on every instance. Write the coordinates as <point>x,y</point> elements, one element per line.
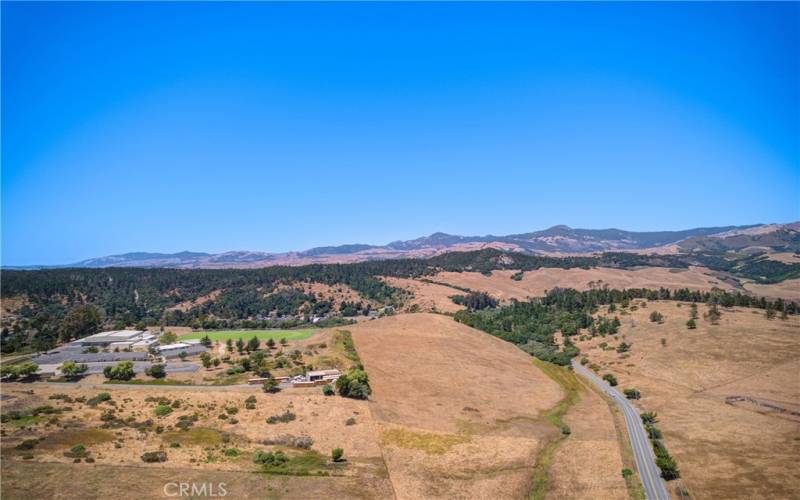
<point>105,339</point>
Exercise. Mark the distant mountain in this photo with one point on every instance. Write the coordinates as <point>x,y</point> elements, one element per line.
<point>552,241</point>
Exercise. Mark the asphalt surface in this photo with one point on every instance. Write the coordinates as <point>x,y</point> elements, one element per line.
<point>649,472</point>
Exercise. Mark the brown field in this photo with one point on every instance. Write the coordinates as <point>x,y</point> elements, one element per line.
<point>459,409</point>
<point>427,296</point>
<point>535,283</point>
<point>723,450</point>
<point>789,289</point>
<point>588,464</point>
<point>117,450</point>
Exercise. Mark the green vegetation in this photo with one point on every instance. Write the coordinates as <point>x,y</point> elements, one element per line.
<point>566,379</point>
<point>475,301</point>
<point>611,379</point>
<point>656,317</point>
<point>517,276</point>
<point>162,410</point>
<point>156,371</point>
<point>354,384</point>
<point>284,418</point>
<point>72,370</point>
<point>158,381</point>
<point>279,463</point>
<point>22,370</point>
<point>328,390</point>
<point>122,371</point>
<point>632,393</point>
<point>65,304</point>
<point>260,335</point>
<point>337,454</point>
<point>154,456</point>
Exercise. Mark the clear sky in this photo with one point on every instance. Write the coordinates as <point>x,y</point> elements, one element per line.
<point>274,127</point>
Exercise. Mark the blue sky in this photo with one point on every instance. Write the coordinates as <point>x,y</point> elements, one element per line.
<point>274,127</point>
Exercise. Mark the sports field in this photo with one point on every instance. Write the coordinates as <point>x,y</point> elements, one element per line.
<point>248,334</point>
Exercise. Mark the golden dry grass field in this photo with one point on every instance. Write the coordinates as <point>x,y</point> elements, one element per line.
<point>536,283</point>
<point>724,450</point>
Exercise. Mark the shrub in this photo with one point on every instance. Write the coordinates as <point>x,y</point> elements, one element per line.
<point>632,393</point>
<point>284,417</point>
<point>327,390</point>
<point>78,451</point>
<point>250,403</point>
<point>691,324</point>
<point>162,410</point>
<point>232,410</point>
<point>354,384</point>
<point>627,473</point>
<point>19,370</point>
<point>122,371</point>
<point>231,452</point>
<point>302,442</point>
<point>649,417</point>
<point>156,371</point>
<point>337,454</point>
<point>584,361</point>
<point>656,317</point>
<point>270,385</point>
<point>350,421</point>
<point>154,456</point>
<point>100,398</point>
<point>28,444</point>
<point>271,459</point>
<point>611,379</point>
<point>72,370</point>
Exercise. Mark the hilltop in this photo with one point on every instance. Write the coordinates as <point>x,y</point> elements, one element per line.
<point>557,240</point>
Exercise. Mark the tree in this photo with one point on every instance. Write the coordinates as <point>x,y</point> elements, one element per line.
<point>337,454</point>
<point>632,393</point>
<point>656,317</point>
<point>713,315</point>
<point>19,370</point>
<point>80,321</point>
<point>271,343</point>
<point>354,384</point>
<point>156,371</point>
<point>691,324</point>
<point>253,344</point>
<point>270,385</point>
<point>205,358</point>
<point>327,390</point>
<point>72,370</point>
<point>693,311</point>
<point>216,362</point>
<point>122,371</point>
<point>611,379</point>
<point>284,342</point>
<point>206,341</point>
<point>168,338</point>
<point>229,345</point>
<point>240,345</point>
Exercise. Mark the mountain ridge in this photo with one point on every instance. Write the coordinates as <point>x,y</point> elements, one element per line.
<point>555,240</point>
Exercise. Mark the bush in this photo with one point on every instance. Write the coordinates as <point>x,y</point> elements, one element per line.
<point>354,384</point>
<point>337,454</point>
<point>156,371</point>
<point>302,442</point>
<point>19,370</point>
<point>327,390</point>
<point>627,473</point>
<point>270,385</point>
<point>691,324</point>
<point>72,370</point>
<point>656,317</point>
<point>231,452</point>
<point>162,410</point>
<point>632,393</point>
<point>28,444</point>
<point>122,371</point>
<point>78,451</point>
<point>100,398</point>
<point>271,459</point>
<point>611,379</point>
<point>350,421</point>
<point>154,456</point>
<point>250,403</point>
<point>284,417</point>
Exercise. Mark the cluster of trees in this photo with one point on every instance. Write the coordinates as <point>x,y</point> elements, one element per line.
<point>354,384</point>
<point>665,462</point>
<point>18,370</point>
<point>63,304</point>
<point>475,301</point>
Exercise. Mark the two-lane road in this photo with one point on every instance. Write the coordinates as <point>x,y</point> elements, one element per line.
<point>642,451</point>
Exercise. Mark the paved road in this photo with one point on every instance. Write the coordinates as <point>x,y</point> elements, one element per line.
<point>642,451</point>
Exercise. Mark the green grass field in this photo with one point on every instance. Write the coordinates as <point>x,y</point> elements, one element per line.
<point>248,334</point>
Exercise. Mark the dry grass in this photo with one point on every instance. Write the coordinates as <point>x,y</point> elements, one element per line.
<point>723,450</point>
<point>428,297</point>
<point>535,283</point>
<point>459,409</point>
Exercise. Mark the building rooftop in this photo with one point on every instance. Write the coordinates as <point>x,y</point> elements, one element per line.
<point>114,335</point>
